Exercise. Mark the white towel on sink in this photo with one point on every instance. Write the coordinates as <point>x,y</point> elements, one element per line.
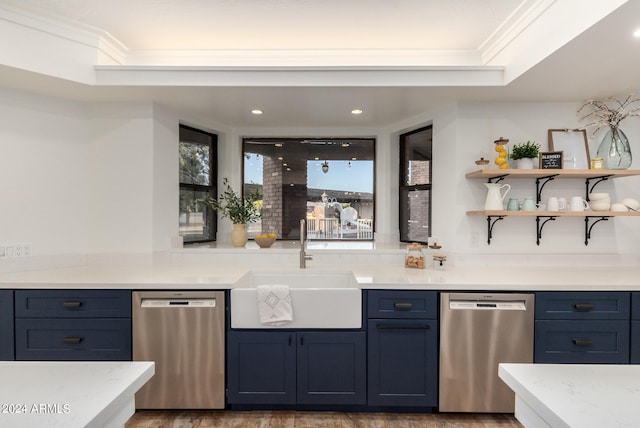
<point>274,304</point>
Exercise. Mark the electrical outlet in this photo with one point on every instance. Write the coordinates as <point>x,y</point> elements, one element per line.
<point>9,251</point>
<point>18,250</point>
<point>3,252</point>
<point>27,250</point>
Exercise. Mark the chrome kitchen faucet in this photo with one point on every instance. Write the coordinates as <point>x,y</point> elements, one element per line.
<point>303,245</point>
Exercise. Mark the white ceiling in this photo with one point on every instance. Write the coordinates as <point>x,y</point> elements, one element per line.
<point>602,61</point>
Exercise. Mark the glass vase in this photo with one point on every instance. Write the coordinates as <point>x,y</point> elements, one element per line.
<point>615,150</point>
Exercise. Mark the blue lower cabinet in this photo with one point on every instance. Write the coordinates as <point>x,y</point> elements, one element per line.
<point>72,325</point>
<point>332,368</point>
<point>403,362</point>
<point>582,341</point>
<point>261,367</point>
<point>635,342</point>
<point>288,368</point>
<point>6,325</point>
<point>39,339</point>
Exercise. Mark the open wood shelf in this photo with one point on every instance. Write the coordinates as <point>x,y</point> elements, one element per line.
<point>539,173</point>
<point>505,213</point>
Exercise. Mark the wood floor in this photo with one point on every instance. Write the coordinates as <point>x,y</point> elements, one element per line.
<point>292,419</point>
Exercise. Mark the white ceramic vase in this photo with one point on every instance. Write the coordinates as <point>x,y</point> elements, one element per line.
<point>525,163</point>
<point>239,235</point>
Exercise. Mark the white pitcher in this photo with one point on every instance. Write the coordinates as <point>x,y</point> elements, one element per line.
<point>495,196</point>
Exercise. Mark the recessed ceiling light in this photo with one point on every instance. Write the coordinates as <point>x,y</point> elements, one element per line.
<point>345,144</point>
<point>354,158</point>
<point>636,33</point>
<point>278,144</point>
<point>256,111</point>
<point>280,158</point>
<point>356,111</point>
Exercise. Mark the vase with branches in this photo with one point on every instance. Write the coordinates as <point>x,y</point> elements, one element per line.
<point>240,210</point>
<point>614,149</point>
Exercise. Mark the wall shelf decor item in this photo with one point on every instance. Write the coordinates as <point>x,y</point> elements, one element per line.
<point>573,144</point>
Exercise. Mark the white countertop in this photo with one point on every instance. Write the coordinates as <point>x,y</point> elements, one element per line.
<point>211,276</point>
<point>575,395</point>
<point>69,394</point>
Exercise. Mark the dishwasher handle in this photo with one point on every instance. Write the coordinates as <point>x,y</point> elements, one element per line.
<point>402,306</point>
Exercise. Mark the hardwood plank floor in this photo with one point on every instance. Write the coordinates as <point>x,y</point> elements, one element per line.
<point>294,419</point>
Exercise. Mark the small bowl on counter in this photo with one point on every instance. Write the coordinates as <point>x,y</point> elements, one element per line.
<point>264,241</point>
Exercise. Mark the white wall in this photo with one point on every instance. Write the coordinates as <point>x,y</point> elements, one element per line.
<point>43,173</point>
<point>102,178</point>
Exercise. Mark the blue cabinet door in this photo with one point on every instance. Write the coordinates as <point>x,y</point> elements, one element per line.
<point>6,325</point>
<point>635,342</point>
<point>332,368</point>
<point>403,362</point>
<point>261,367</point>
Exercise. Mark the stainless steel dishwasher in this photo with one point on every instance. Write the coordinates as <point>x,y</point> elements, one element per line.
<point>183,332</point>
<point>477,332</point>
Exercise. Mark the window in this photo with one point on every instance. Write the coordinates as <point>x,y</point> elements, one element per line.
<point>415,185</point>
<point>198,174</point>
<point>327,181</point>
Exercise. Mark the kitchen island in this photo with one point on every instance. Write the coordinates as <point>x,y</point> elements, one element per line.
<point>70,394</point>
<point>580,396</point>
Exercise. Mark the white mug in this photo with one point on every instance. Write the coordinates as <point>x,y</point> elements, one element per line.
<point>564,205</point>
<point>578,204</point>
<point>555,204</point>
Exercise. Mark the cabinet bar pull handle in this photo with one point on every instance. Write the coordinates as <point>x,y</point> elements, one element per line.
<point>71,304</point>
<point>301,340</point>
<point>583,307</point>
<point>402,306</point>
<point>289,340</point>
<point>403,327</point>
<point>72,340</point>
<point>582,342</point>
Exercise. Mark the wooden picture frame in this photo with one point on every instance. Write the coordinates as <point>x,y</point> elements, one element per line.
<point>573,144</point>
<point>551,160</point>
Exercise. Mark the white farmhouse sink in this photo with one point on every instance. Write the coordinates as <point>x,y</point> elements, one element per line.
<point>320,299</point>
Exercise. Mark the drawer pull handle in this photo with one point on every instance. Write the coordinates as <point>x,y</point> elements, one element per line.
<point>402,306</point>
<point>403,327</point>
<point>71,304</point>
<point>72,340</point>
<point>582,342</point>
<point>583,307</point>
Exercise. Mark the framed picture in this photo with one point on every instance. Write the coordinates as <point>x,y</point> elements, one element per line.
<point>551,160</point>
<point>573,145</point>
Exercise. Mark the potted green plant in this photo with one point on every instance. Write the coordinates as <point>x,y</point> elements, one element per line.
<point>525,154</point>
<point>237,209</point>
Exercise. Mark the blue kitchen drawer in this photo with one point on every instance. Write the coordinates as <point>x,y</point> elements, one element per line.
<point>71,339</point>
<point>73,303</point>
<point>6,325</point>
<point>582,341</point>
<point>635,305</point>
<point>598,305</point>
<point>402,304</point>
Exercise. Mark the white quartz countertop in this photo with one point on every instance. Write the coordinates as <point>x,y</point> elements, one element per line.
<point>575,395</point>
<point>69,394</point>
<point>211,276</point>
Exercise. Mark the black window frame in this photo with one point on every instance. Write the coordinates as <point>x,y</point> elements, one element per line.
<point>211,189</point>
<point>405,189</point>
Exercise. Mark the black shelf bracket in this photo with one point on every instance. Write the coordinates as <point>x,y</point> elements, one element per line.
<point>540,226</point>
<point>539,187</point>
<point>497,178</point>
<point>587,183</point>
<point>490,225</point>
<point>587,228</point>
